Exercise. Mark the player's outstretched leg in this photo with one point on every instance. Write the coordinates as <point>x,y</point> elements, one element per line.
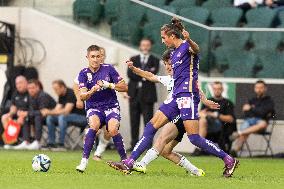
<point>88,145</point>
<point>94,122</point>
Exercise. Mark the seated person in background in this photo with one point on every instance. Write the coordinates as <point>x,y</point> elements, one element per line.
<point>64,114</point>
<point>40,104</point>
<point>247,4</point>
<point>274,3</point>
<point>19,107</point>
<point>218,123</point>
<point>257,112</point>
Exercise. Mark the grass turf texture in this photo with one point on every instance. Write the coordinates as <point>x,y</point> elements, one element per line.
<point>16,172</point>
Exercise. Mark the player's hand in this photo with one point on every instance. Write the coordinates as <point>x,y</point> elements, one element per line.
<point>246,107</point>
<point>130,64</point>
<point>211,105</point>
<point>79,104</point>
<point>185,34</point>
<point>96,88</point>
<point>106,84</point>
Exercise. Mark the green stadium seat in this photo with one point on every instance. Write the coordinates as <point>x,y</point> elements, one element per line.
<point>158,3</point>
<point>170,9</point>
<point>226,16</point>
<point>180,4</point>
<point>260,17</point>
<point>234,40</point>
<point>87,9</point>
<point>266,40</point>
<point>151,30</point>
<point>270,63</point>
<point>281,17</point>
<point>241,64</point>
<point>214,4</point>
<point>153,16</point>
<point>197,14</point>
<point>111,10</point>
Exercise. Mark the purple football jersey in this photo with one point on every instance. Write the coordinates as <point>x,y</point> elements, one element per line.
<point>104,98</point>
<point>185,66</point>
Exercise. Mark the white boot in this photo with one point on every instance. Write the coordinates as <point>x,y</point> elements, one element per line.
<point>83,165</point>
<point>34,145</point>
<point>8,147</point>
<point>22,146</point>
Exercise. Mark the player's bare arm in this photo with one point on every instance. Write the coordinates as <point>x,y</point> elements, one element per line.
<point>85,94</point>
<point>193,45</point>
<point>145,74</point>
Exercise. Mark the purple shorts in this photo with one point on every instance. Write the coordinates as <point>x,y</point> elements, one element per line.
<point>183,104</point>
<point>105,114</point>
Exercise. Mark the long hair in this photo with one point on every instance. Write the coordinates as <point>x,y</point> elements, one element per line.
<point>174,28</point>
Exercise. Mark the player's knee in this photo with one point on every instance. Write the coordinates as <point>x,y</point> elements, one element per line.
<point>113,131</point>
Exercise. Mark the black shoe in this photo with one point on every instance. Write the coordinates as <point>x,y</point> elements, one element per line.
<point>59,148</point>
<point>48,147</point>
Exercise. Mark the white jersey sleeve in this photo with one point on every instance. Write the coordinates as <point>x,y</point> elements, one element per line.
<point>167,81</point>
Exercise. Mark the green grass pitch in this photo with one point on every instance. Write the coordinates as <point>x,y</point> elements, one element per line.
<point>16,173</point>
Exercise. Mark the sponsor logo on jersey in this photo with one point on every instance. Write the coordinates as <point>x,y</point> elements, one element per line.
<point>89,76</point>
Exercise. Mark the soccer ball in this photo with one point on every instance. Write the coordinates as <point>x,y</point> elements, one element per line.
<point>41,163</point>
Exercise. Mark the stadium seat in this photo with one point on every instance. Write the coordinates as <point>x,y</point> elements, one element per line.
<point>150,30</point>
<point>241,64</point>
<point>158,3</point>
<point>234,40</point>
<point>157,17</point>
<point>87,9</point>
<point>265,40</point>
<point>180,4</point>
<point>271,64</point>
<point>121,30</point>
<point>197,14</point>
<point>260,17</point>
<point>226,16</point>
<point>110,10</point>
<point>281,17</point>
<point>213,4</point>
<point>170,9</point>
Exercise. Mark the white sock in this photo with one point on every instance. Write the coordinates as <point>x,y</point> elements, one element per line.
<point>101,146</point>
<point>151,155</point>
<point>187,165</point>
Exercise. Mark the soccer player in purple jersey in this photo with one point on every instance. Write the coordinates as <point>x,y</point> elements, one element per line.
<point>185,63</point>
<point>98,84</point>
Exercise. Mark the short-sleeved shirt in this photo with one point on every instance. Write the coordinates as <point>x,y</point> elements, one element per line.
<point>106,97</point>
<point>42,101</point>
<point>20,100</point>
<point>70,97</point>
<point>185,66</point>
<point>168,82</point>
<point>226,106</point>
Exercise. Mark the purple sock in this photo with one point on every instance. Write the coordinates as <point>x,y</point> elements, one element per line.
<point>89,143</point>
<point>144,143</point>
<point>118,142</point>
<point>207,145</point>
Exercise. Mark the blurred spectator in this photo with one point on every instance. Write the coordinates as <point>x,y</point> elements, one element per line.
<point>257,112</point>
<point>64,114</point>
<point>19,107</point>
<point>40,104</point>
<point>218,125</point>
<point>142,93</point>
<point>247,4</point>
<point>274,3</point>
